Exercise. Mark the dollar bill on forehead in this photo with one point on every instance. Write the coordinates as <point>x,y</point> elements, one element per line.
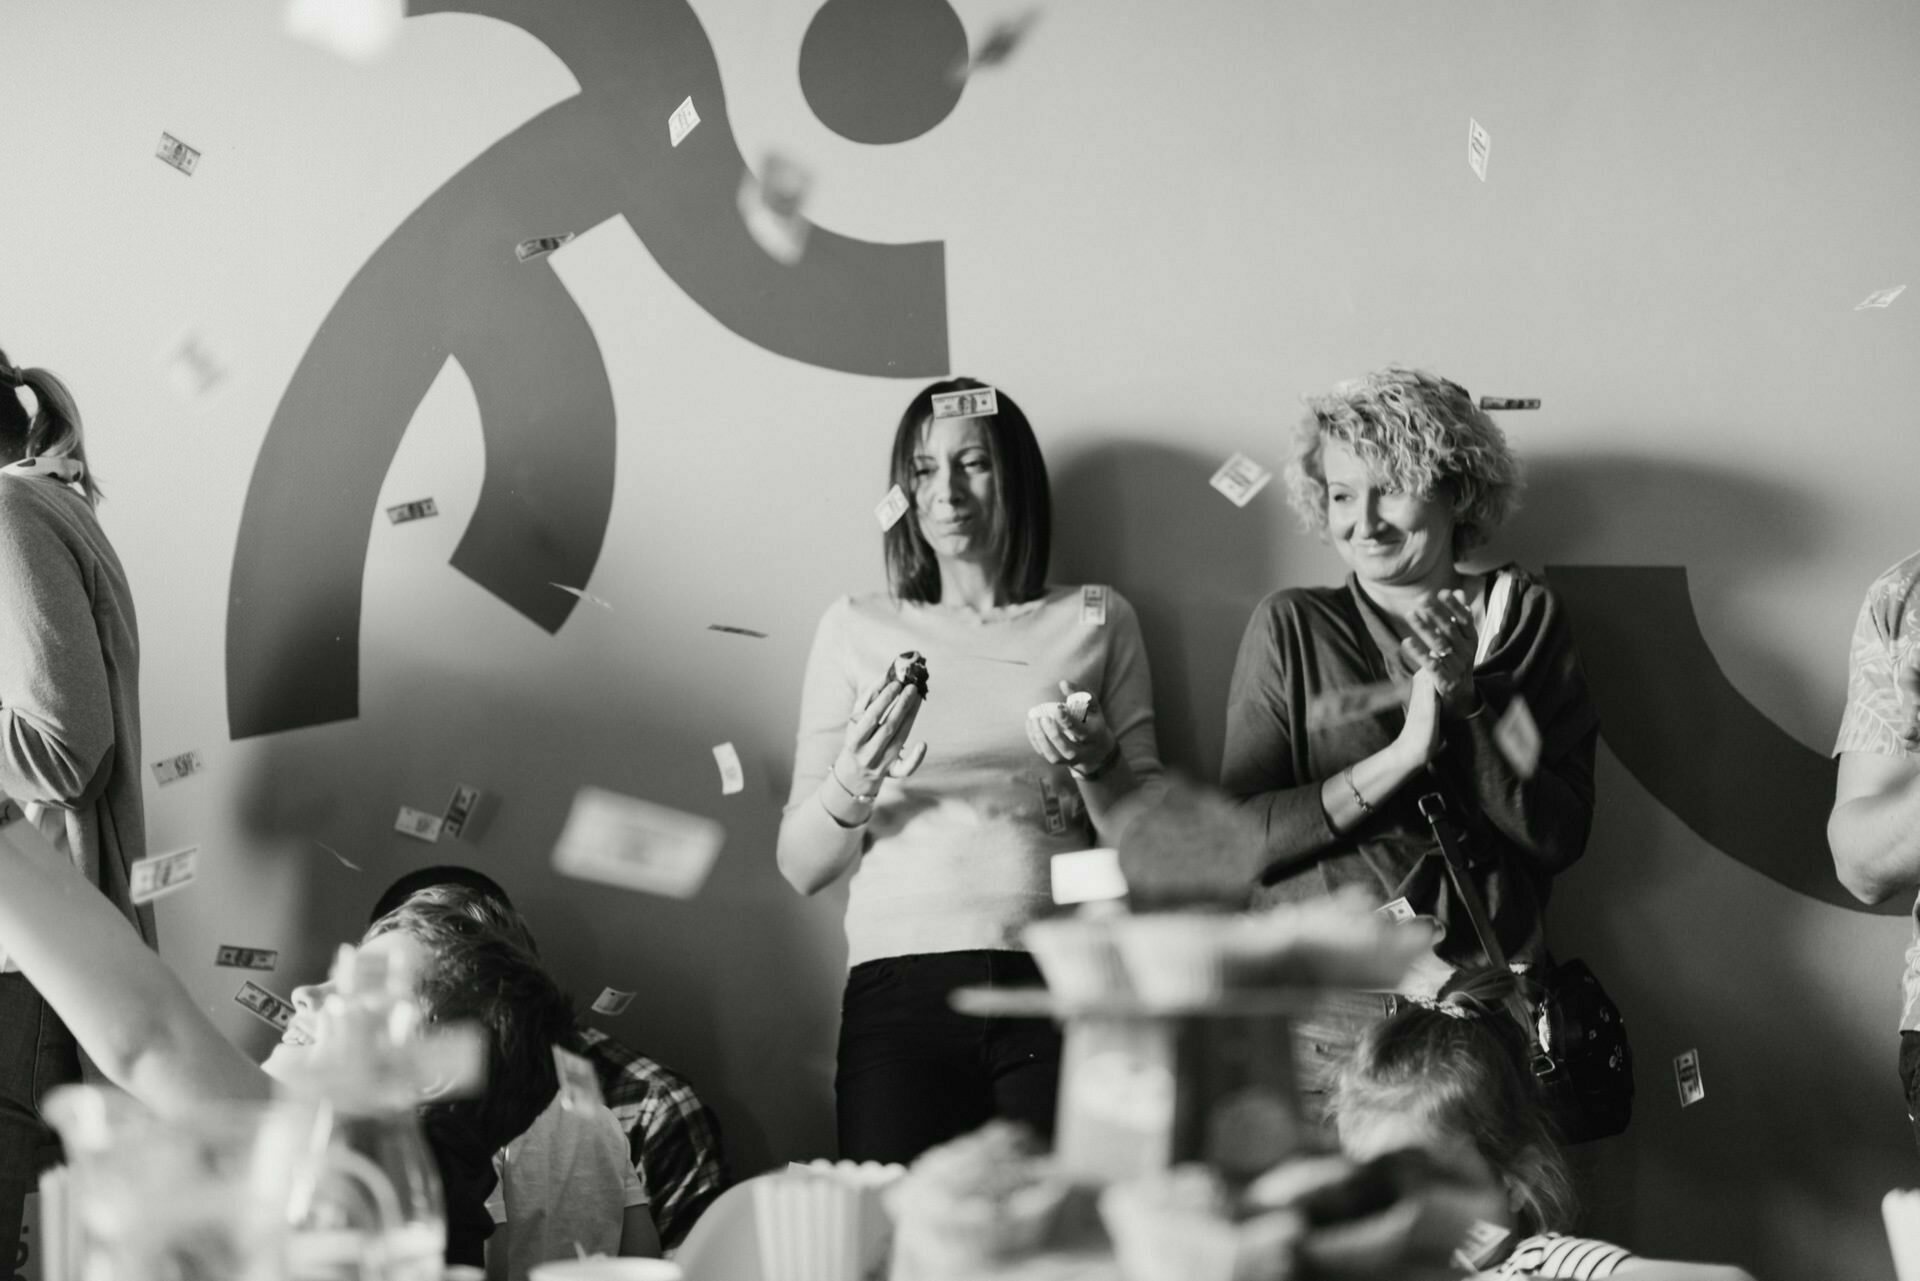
<point>977,402</point>
<point>637,845</point>
<point>228,956</point>
<point>1509,402</point>
<point>682,121</point>
<point>1240,479</point>
<point>418,824</point>
<point>419,509</point>
<point>1479,147</point>
<point>540,246</point>
<point>175,768</point>
<point>159,875</point>
<point>264,1005</point>
<point>612,1001</point>
<point>178,154</point>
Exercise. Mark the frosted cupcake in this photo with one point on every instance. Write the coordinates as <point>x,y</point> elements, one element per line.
<point>968,1205</point>
<point>1079,958</point>
<point>1180,959</point>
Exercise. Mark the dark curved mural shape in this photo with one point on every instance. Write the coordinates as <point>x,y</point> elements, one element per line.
<point>446,284</point>
<point>1725,769</point>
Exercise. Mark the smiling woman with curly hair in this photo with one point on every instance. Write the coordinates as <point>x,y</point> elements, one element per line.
<point>1404,476</point>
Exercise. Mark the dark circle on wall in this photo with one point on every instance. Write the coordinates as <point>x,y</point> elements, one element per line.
<point>883,71</point>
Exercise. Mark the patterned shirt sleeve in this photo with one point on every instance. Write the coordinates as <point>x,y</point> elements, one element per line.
<point>672,1137</point>
<point>1884,637</point>
<point>1553,1255</point>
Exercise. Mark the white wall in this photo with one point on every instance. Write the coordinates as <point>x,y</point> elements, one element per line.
<point>1176,219</point>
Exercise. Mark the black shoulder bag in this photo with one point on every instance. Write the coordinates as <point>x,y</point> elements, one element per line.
<point>1575,1034</point>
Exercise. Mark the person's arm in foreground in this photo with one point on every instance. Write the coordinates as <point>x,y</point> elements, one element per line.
<point>128,1011</point>
<point>1874,829</point>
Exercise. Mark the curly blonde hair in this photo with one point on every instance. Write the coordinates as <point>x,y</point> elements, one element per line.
<point>1421,432</point>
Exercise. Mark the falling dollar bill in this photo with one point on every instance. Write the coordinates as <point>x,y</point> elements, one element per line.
<point>1518,738</point>
<point>178,154</point>
<point>192,369</point>
<point>733,779</point>
<point>1479,147</point>
<point>1353,703</point>
<point>1399,911</point>
<point>1087,876</point>
<point>891,508</point>
<point>175,768</point>
<point>1240,479</point>
<point>1000,43</point>
<point>159,875</point>
<point>418,824</point>
<point>682,121</point>
<point>975,403</point>
<point>245,958</point>
<point>636,844</point>
<point>1881,298</point>
<point>459,812</point>
<point>770,203</point>
<point>736,631</point>
<point>1686,1078</point>
<point>1509,402</point>
<point>612,1001</point>
<point>540,246</point>
<point>1093,606</point>
<point>419,509</point>
<point>582,594</point>
<point>264,1005</point>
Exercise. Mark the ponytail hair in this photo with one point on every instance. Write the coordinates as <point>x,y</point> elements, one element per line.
<point>1459,1065</point>
<point>53,430</point>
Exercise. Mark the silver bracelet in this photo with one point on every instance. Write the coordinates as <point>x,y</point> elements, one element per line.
<point>834,774</point>
<point>1354,787</point>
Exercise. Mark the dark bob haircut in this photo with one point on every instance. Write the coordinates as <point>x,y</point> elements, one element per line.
<point>1025,527</point>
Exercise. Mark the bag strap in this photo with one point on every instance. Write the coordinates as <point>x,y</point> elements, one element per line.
<point>1433,807</point>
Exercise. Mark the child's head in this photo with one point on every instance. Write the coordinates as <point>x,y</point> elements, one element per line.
<point>1453,1078</point>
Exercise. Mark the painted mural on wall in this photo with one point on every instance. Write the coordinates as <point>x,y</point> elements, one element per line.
<point>447,284</point>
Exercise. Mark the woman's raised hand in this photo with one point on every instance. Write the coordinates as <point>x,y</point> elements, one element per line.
<point>1444,641</point>
<point>876,744</point>
<point>1073,732</point>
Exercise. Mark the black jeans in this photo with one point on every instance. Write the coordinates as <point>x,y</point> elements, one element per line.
<point>913,1072</point>
<point>1910,1079</point>
<point>36,1054</point>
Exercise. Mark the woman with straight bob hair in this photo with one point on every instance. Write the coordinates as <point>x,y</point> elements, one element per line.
<point>945,810</point>
<point>69,725</point>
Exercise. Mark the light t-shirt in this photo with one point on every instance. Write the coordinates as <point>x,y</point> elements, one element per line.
<point>957,857</point>
<point>567,1181</point>
<point>1884,639</point>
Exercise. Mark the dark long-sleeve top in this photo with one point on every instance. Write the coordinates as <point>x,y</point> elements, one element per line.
<point>1304,642</point>
<point>70,685</point>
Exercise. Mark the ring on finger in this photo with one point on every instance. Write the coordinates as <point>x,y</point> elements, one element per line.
<point>1440,655</point>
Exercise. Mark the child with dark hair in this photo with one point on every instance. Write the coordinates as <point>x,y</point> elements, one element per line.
<point>148,1036</point>
<point>1452,1077</point>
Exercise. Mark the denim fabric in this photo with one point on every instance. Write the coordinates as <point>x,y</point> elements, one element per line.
<point>913,1072</point>
<point>36,1054</point>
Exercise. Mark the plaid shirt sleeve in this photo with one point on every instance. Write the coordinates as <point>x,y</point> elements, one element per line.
<point>673,1137</point>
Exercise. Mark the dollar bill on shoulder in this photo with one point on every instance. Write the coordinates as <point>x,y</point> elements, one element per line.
<point>159,875</point>
<point>264,1005</point>
<point>637,845</point>
<point>227,956</point>
<point>178,154</point>
<point>418,824</point>
<point>459,812</point>
<point>976,402</point>
<point>175,768</point>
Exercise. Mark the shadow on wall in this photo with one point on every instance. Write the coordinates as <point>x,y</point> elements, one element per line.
<point>1141,516</point>
<point>744,975</point>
